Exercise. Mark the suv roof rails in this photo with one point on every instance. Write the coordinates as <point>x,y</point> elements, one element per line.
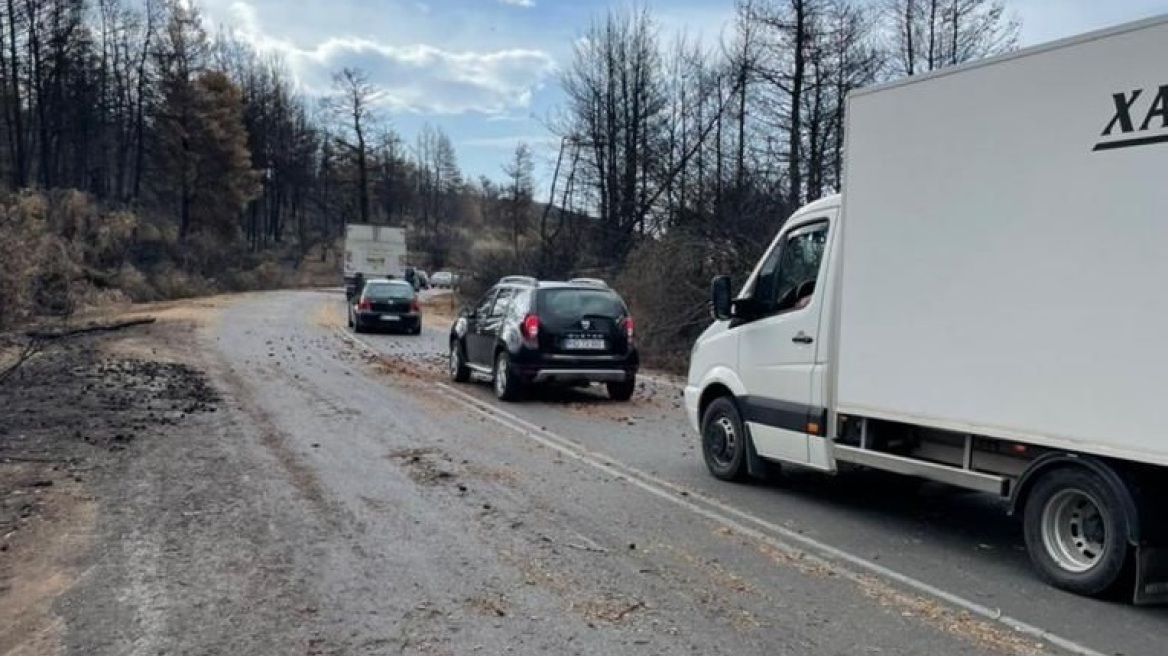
<point>525,280</point>
<point>588,281</point>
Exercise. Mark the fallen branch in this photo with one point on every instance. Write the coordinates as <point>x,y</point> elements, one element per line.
<point>28,352</point>
<point>621,615</point>
<point>61,334</point>
<point>8,458</point>
<point>584,547</point>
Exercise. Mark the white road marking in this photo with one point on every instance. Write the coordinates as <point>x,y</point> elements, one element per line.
<point>358,342</point>
<point>762,530</point>
<point>739,520</point>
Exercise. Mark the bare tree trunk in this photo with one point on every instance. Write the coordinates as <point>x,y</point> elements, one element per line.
<point>795,138</point>
<point>19,155</point>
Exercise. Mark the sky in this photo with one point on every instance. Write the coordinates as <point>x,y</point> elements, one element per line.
<point>486,71</point>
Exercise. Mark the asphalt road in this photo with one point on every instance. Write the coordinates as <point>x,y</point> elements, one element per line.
<point>365,505</point>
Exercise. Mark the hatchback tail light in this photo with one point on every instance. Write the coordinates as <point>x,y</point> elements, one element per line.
<point>529,329</point>
<point>364,304</point>
<point>414,306</point>
<point>627,324</point>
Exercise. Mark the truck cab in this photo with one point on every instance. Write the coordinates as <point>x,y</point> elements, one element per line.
<point>767,353</point>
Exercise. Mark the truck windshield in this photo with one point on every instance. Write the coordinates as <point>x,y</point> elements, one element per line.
<point>791,267</point>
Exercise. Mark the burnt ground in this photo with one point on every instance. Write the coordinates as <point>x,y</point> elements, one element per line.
<point>69,417</point>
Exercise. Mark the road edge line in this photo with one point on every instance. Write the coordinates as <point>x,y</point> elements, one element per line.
<point>722,513</point>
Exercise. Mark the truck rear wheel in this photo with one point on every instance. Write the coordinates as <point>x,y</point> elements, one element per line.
<point>724,440</point>
<point>1076,531</point>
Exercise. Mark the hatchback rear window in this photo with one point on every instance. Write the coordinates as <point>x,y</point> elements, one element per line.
<point>384,291</point>
<point>569,305</point>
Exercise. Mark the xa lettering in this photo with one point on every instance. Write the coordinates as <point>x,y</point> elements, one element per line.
<point>1159,108</point>
<point>1123,105</point>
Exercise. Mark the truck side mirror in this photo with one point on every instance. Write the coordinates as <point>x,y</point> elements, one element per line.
<point>720,297</point>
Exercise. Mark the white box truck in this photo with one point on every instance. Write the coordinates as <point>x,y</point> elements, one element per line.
<point>374,251</point>
<point>983,305</point>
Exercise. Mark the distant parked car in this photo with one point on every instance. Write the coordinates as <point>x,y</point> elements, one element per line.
<point>386,305</point>
<point>526,332</point>
<point>442,280</point>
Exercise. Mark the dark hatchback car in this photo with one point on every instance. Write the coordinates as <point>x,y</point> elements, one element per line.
<point>526,332</point>
<point>386,305</point>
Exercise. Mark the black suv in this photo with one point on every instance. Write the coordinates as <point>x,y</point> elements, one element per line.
<point>524,331</point>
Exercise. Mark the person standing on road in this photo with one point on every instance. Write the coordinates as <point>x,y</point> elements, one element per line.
<point>358,285</point>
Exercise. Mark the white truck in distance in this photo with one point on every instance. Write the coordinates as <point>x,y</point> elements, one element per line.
<point>374,251</point>
<point>983,305</point>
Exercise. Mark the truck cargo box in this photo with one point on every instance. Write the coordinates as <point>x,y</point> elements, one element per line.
<point>1004,267</point>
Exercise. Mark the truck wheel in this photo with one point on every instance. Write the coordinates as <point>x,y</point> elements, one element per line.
<point>507,384</point>
<point>459,372</point>
<point>1076,532</point>
<point>724,440</point>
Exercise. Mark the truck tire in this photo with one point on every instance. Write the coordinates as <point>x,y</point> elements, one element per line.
<point>1076,531</point>
<point>507,385</point>
<point>459,372</point>
<point>724,440</point>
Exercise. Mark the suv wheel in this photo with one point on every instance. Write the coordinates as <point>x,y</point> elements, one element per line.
<point>622,391</point>
<point>507,385</point>
<point>459,372</point>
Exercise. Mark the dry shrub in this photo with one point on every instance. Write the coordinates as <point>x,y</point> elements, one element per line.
<point>36,265</point>
<point>61,251</point>
<point>667,284</point>
<point>269,274</point>
<point>169,282</point>
<point>134,284</point>
<point>489,266</point>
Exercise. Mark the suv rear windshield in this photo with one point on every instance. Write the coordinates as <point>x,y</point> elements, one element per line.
<point>569,304</point>
<point>387,290</point>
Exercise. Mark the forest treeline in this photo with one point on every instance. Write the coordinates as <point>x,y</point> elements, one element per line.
<point>142,155</point>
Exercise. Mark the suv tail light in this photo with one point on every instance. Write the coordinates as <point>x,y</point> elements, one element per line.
<point>627,324</point>
<point>364,304</point>
<point>530,328</point>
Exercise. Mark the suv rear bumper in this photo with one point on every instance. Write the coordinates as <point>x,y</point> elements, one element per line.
<point>406,320</point>
<point>582,375</point>
<point>546,368</point>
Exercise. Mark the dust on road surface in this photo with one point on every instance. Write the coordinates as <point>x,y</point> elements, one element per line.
<point>241,478</point>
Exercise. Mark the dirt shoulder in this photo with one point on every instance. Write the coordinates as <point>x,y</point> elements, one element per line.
<point>69,417</point>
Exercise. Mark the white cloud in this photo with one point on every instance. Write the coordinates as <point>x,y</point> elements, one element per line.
<point>509,118</point>
<point>415,78</point>
<point>509,143</point>
<point>518,3</point>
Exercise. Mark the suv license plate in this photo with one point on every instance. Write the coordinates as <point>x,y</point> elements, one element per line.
<point>390,317</point>
<point>584,344</point>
